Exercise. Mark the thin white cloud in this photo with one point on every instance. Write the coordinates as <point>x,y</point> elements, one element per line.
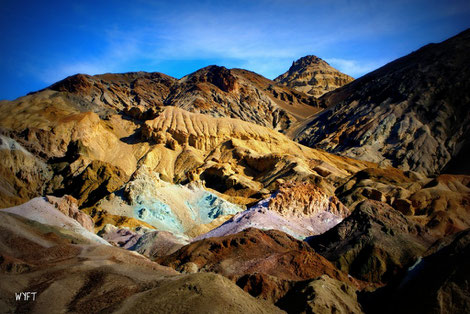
<point>354,68</point>
<point>53,74</point>
<point>120,48</point>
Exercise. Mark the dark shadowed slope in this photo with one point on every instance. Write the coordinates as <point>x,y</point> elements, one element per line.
<point>412,113</point>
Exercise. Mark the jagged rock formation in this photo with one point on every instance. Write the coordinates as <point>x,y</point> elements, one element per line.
<point>313,76</point>
<point>232,156</point>
<point>302,199</point>
<point>100,278</point>
<point>264,263</point>
<point>299,209</point>
<point>412,113</point>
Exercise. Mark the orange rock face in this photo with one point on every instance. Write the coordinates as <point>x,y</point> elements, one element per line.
<point>304,199</point>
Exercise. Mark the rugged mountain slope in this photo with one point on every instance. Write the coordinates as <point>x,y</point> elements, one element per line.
<point>106,158</point>
<point>70,274</point>
<point>396,216</point>
<point>412,113</point>
<point>441,204</point>
<point>233,159</point>
<point>375,243</point>
<point>213,90</point>
<point>241,94</point>
<point>264,263</point>
<point>313,76</point>
<point>137,93</point>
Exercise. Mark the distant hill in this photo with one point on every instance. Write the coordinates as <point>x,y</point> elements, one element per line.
<point>313,76</point>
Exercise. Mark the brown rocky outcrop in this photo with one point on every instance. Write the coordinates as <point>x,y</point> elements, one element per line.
<point>109,93</point>
<point>264,263</point>
<point>380,184</point>
<point>313,76</point>
<point>300,209</point>
<point>79,83</point>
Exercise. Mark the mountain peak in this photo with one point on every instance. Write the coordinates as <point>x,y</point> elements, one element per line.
<point>217,75</point>
<point>314,76</point>
<point>307,61</point>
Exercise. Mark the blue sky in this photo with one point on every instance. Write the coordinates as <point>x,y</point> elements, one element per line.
<point>45,41</point>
